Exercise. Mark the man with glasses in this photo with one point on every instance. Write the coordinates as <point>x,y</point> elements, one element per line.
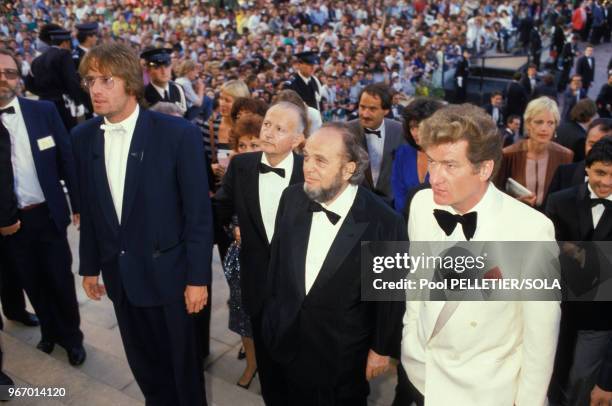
<point>161,88</point>
<point>146,225</point>
<point>37,245</point>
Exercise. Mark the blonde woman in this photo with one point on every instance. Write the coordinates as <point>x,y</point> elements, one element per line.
<point>533,161</point>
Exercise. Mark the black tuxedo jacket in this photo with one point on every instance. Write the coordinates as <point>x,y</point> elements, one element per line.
<point>583,69</point>
<point>605,371</point>
<point>567,175</point>
<point>324,336</point>
<point>306,91</point>
<point>516,99</point>
<point>152,96</point>
<point>239,194</point>
<point>573,136</point>
<point>164,240</point>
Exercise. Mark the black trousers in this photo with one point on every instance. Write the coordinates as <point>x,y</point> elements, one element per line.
<point>163,353</point>
<point>274,389</point>
<point>11,292</point>
<point>302,394</point>
<point>41,257</point>
<point>405,392</point>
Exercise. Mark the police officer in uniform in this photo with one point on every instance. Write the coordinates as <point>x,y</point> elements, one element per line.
<point>304,82</point>
<point>161,88</point>
<point>87,35</point>
<point>53,77</point>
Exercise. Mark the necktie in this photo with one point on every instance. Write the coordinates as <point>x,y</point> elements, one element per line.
<point>607,203</point>
<point>314,207</point>
<point>448,221</point>
<point>166,96</point>
<point>263,168</point>
<point>8,110</point>
<point>375,132</point>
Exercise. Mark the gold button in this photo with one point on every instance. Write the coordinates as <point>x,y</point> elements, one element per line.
<point>473,324</point>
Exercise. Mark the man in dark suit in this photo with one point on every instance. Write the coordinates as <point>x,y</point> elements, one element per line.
<point>39,252</point>
<point>511,131</point>
<point>546,88</point>
<point>604,98</point>
<point>328,340</point>
<point>566,59</point>
<point>573,174</point>
<point>251,189</point>
<point>161,87</point>
<point>516,97</point>
<point>146,225</point>
<point>462,72</point>
<point>303,80</point>
<point>572,95</point>
<point>494,108</point>
<point>583,213</point>
<point>530,80</point>
<point>53,77</point>
<point>585,67</point>
<point>572,134</point>
<point>87,35</point>
<point>379,136</point>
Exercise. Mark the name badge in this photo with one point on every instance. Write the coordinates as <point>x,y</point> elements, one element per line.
<point>46,143</point>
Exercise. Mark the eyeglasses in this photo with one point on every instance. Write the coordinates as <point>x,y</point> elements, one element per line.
<point>107,82</point>
<point>10,74</point>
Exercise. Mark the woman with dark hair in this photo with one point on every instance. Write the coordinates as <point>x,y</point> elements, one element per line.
<point>244,137</point>
<point>410,163</point>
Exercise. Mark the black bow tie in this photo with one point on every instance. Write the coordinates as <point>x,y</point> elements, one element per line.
<point>448,221</point>
<point>375,132</point>
<point>607,203</point>
<point>263,168</point>
<point>8,110</point>
<point>331,216</point>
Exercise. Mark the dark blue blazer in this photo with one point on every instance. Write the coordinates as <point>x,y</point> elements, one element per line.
<point>164,241</point>
<point>404,175</point>
<point>52,164</point>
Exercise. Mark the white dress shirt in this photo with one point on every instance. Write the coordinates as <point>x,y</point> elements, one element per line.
<point>323,233</point>
<point>376,147</point>
<point>598,210</point>
<point>162,90</point>
<point>27,186</point>
<point>271,187</point>
<point>117,141</point>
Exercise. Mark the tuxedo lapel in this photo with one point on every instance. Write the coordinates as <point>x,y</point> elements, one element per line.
<point>251,176</point>
<point>135,162</point>
<point>348,236</point>
<point>369,181</point>
<point>33,126</point>
<point>385,164</point>
<point>603,231</point>
<point>101,180</point>
<point>299,242</point>
<point>297,174</point>
<point>585,217</point>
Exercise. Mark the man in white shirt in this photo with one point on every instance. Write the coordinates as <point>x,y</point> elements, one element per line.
<point>328,341</point>
<point>473,353</point>
<point>146,226</point>
<point>251,189</point>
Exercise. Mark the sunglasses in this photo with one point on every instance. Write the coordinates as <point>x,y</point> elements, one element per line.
<point>10,74</point>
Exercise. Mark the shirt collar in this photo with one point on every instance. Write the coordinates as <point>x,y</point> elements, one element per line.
<point>128,122</point>
<point>286,164</point>
<point>83,48</point>
<point>161,90</point>
<point>482,206</point>
<point>14,104</point>
<point>594,196</point>
<point>380,128</point>
<point>304,78</point>
<point>344,202</point>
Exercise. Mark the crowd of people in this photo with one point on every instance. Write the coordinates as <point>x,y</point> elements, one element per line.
<point>285,133</point>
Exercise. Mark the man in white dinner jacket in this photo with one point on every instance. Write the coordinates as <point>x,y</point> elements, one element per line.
<point>475,353</point>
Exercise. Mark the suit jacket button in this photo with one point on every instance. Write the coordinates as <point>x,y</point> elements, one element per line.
<point>122,253</point>
<point>473,324</point>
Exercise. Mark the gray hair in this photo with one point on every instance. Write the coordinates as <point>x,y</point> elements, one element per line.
<point>302,124</point>
<point>352,148</point>
<point>167,108</point>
